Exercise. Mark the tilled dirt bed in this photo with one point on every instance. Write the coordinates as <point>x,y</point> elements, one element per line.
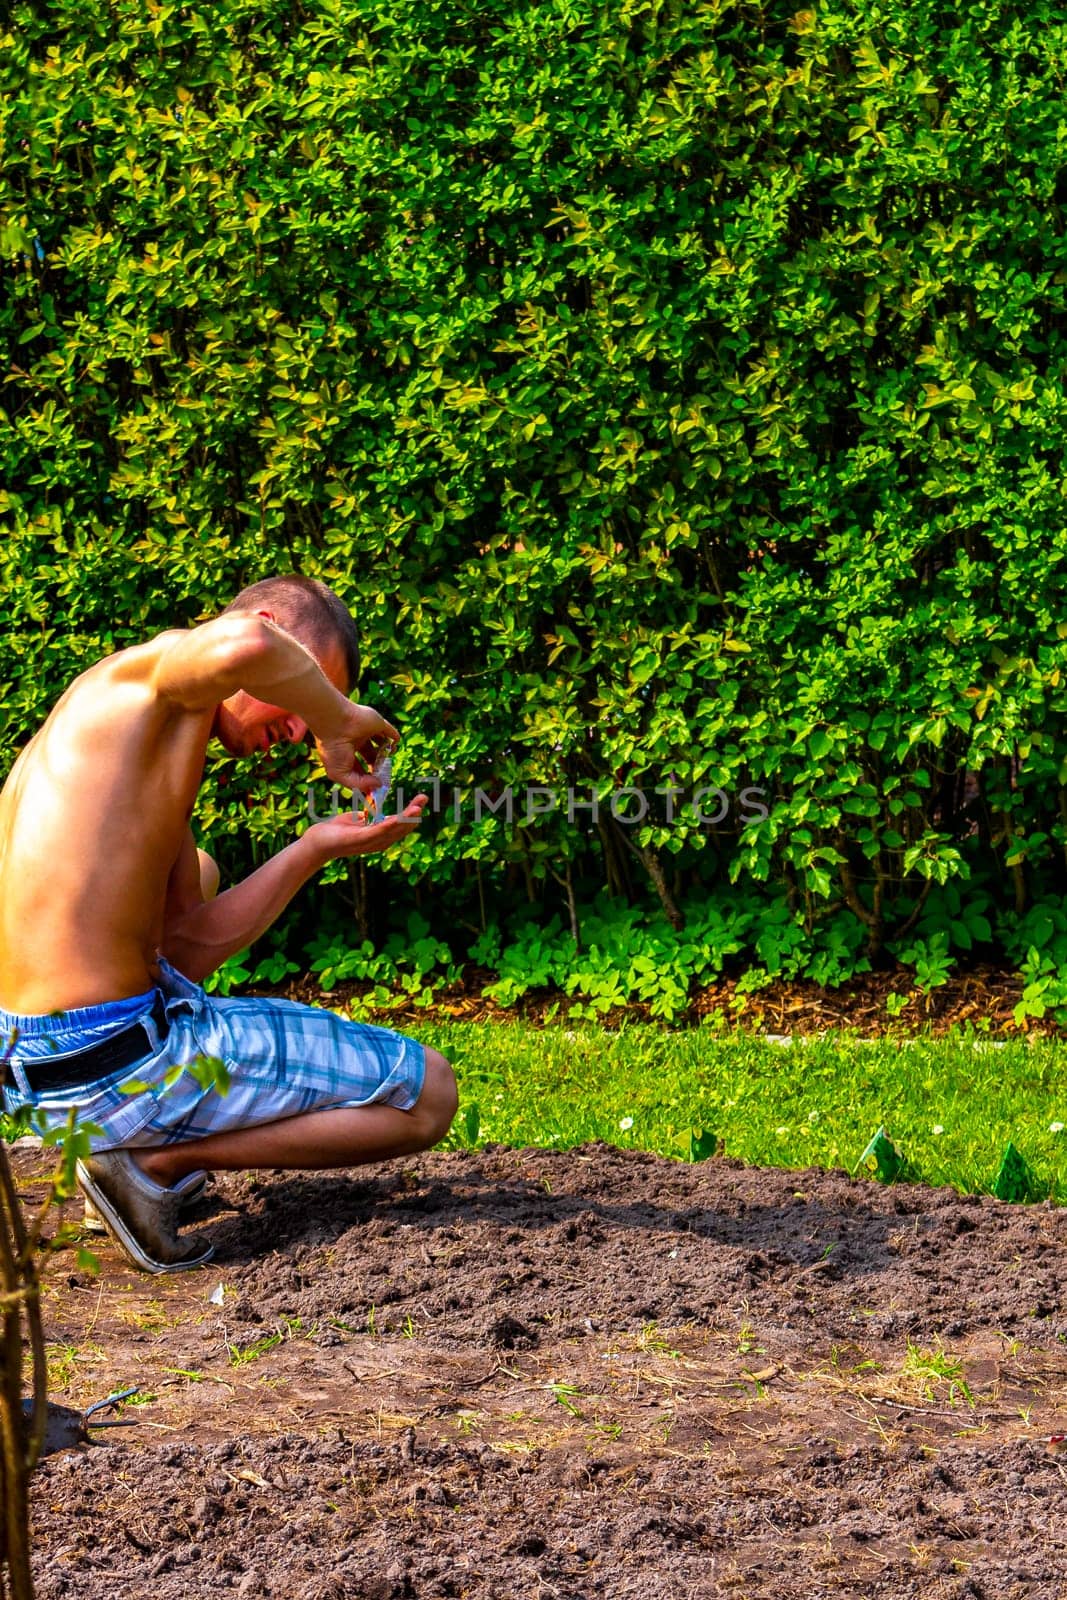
<point>542,1375</point>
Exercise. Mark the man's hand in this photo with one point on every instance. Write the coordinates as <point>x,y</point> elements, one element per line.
<point>348,754</point>
<point>352,835</point>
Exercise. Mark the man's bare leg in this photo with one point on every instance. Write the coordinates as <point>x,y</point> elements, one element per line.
<point>209,875</point>
<point>344,1137</point>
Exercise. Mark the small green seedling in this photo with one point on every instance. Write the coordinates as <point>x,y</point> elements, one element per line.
<point>702,1144</point>
<point>563,1394</point>
<point>1015,1181</point>
<point>242,1355</point>
<point>882,1158</point>
<point>929,1368</point>
<point>472,1122</point>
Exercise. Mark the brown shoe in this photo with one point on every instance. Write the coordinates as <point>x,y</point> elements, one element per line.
<point>141,1217</point>
<point>189,1190</point>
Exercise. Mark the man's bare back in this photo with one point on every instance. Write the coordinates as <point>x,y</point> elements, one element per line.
<point>93,820</point>
<point>97,861</point>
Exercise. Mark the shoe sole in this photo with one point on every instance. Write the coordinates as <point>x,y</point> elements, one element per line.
<point>125,1239</point>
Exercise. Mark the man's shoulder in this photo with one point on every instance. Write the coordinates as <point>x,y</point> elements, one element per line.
<point>135,666</point>
<point>139,660</point>
<point>190,669</point>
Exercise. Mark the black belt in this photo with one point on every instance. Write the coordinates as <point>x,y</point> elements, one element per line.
<point>45,1073</point>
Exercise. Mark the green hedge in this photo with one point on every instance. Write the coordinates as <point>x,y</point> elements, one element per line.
<point>672,390</point>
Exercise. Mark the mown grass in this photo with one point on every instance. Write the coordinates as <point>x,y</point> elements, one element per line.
<point>949,1104</point>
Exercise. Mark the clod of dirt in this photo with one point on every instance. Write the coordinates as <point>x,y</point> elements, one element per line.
<point>331,1588</point>
<point>508,1333</point>
<point>205,1511</point>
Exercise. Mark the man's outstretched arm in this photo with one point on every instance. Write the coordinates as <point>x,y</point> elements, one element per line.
<point>200,935</point>
<point>200,668</point>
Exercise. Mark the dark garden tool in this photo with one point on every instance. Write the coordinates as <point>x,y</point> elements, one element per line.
<point>66,1428</point>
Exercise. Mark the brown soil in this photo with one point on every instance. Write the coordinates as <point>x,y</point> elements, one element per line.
<point>539,1375</point>
<point>985,997</point>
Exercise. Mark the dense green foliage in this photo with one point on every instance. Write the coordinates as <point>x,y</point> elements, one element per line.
<point>629,958</point>
<point>674,390</point>
<point>950,1105</point>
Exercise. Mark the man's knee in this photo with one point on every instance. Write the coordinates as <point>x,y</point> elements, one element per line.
<point>209,875</point>
<point>439,1100</point>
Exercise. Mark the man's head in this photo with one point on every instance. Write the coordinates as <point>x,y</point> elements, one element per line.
<point>316,618</point>
<point>309,611</point>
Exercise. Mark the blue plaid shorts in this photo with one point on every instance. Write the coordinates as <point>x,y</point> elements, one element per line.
<point>283,1059</point>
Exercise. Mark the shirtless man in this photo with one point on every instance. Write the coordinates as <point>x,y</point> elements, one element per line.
<point>107,924</point>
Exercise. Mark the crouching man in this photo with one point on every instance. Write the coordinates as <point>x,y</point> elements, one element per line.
<point>108,922</point>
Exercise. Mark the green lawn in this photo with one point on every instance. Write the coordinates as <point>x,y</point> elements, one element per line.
<point>950,1105</point>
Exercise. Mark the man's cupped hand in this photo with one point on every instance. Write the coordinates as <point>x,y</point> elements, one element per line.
<point>351,834</point>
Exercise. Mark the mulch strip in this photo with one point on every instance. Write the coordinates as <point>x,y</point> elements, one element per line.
<point>984,998</point>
